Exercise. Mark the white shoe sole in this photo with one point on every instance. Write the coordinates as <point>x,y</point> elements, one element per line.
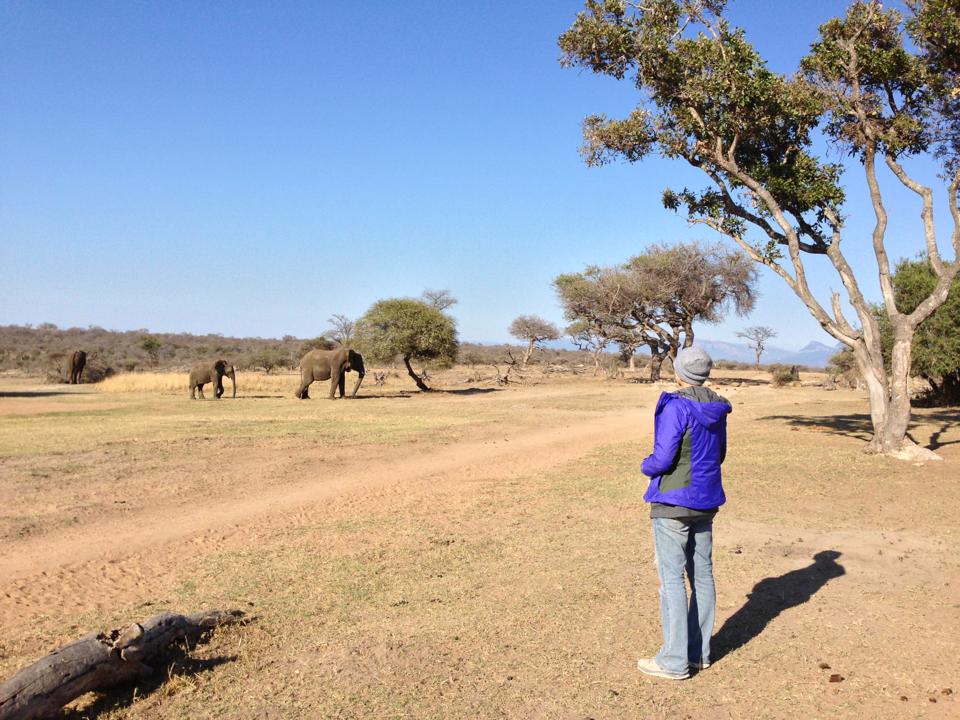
<point>653,670</point>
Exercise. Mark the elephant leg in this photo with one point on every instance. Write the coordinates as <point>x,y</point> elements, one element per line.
<point>193,392</point>
<point>343,384</point>
<point>304,392</point>
<point>334,382</point>
<point>200,390</point>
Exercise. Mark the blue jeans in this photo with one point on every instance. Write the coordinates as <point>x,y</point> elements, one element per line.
<point>680,544</point>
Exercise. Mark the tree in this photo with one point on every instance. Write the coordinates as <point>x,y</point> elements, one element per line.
<point>757,336</point>
<point>440,299</point>
<point>535,330</point>
<point>935,355</point>
<point>341,329</point>
<point>409,329</point>
<point>710,101</point>
<point>654,298</point>
<point>151,345</point>
<point>318,343</point>
<point>587,336</point>
<point>596,296</point>
<point>270,359</point>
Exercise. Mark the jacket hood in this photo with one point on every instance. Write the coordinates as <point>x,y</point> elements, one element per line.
<point>707,407</point>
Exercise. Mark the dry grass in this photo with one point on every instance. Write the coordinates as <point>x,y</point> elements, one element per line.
<point>280,383</point>
<point>177,383</point>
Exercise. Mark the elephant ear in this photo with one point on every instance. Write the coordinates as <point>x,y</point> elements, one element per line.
<point>356,361</point>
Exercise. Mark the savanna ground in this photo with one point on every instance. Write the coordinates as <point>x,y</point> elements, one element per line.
<point>478,553</point>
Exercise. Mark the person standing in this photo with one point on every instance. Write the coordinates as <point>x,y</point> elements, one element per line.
<point>685,492</point>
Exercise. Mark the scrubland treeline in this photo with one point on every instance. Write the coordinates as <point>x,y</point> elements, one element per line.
<point>45,350</point>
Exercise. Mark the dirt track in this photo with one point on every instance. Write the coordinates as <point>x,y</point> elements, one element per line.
<point>109,558</point>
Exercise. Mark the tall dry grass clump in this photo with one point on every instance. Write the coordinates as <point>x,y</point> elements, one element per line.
<point>178,382</point>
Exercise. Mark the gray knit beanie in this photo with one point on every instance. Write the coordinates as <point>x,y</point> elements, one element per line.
<point>693,365</point>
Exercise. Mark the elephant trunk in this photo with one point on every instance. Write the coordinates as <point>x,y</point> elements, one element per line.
<point>233,379</point>
<point>357,386</point>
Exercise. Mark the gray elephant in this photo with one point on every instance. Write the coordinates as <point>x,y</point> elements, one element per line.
<point>77,362</point>
<point>333,365</point>
<point>201,374</point>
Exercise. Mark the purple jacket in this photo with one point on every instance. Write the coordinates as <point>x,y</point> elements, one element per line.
<point>690,443</point>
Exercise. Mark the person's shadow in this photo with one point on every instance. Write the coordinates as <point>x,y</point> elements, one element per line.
<point>770,597</point>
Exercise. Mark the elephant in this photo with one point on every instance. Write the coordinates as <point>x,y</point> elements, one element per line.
<point>77,362</point>
<point>201,374</point>
<point>332,365</point>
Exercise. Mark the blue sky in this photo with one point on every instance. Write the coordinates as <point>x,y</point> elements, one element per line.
<point>252,168</point>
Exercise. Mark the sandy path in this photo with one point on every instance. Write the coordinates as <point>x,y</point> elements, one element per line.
<point>116,559</point>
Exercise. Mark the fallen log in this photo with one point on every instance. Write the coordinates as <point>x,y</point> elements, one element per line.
<point>99,661</point>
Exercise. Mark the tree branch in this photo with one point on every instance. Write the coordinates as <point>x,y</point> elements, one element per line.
<point>801,291</point>
<point>926,194</point>
<point>879,231</point>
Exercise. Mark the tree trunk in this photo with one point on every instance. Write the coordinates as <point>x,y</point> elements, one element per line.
<point>416,378</point>
<point>596,361</point>
<point>526,356</point>
<point>656,362</point>
<point>891,436</point>
<point>890,397</point>
<point>99,661</point>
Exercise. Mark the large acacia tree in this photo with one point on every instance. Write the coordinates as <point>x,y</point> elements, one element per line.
<point>408,329</point>
<point>710,101</point>
<point>535,330</point>
<point>654,298</point>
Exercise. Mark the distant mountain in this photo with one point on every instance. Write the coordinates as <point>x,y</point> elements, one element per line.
<point>813,354</point>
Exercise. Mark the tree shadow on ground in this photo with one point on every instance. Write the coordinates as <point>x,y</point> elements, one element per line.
<point>178,663</point>
<point>402,395</point>
<point>859,426</point>
<point>471,391</point>
<point>721,381</point>
<point>770,597</point>
<point>33,393</point>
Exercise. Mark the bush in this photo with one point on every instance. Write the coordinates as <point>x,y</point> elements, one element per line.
<point>784,374</point>
<point>843,369</point>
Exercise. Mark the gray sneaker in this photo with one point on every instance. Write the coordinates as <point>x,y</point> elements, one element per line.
<point>699,665</point>
<point>649,666</point>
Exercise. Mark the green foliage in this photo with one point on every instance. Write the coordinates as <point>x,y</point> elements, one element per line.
<point>407,328</point>
<point>842,367</point>
<point>271,358</point>
<point>712,101</point>
<point>709,99</point>
<point>935,354</point>
<point>151,345</point>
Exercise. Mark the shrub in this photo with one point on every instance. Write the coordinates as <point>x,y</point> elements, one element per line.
<point>784,374</point>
